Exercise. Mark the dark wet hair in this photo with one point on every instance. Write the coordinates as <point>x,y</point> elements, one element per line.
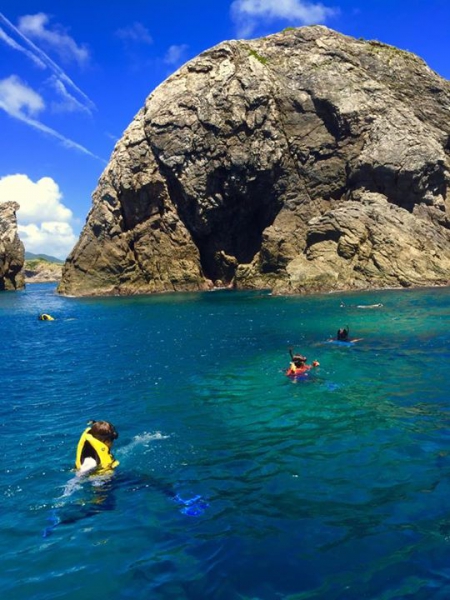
<point>103,431</point>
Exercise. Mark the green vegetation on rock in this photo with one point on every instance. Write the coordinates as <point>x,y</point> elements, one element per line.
<point>258,57</point>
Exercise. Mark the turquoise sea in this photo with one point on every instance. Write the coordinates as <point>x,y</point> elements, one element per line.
<point>234,481</point>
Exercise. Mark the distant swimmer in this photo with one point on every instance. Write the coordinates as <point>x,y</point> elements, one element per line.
<point>342,333</point>
<point>45,317</point>
<point>369,305</point>
<point>342,337</point>
<point>298,365</point>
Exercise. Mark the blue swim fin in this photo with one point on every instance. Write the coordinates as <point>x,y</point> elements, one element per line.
<point>193,507</point>
<point>54,522</point>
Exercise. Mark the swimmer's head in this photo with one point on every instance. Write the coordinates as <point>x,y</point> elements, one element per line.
<point>299,360</point>
<point>103,431</point>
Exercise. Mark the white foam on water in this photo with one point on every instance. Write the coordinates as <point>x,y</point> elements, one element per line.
<point>76,483</point>
<point>140,440</point>
<point>72,486</point>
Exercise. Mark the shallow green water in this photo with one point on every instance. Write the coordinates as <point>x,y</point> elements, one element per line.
<point>335,487</point>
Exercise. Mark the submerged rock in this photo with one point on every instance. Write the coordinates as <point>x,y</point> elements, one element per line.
<point>12,251</point>
<point>302,161</point>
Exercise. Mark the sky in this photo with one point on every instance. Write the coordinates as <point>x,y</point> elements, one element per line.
<point>74,74</point>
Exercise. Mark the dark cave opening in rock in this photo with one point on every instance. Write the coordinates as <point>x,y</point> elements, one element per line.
<point>234,241</point>
<point>227,223</point>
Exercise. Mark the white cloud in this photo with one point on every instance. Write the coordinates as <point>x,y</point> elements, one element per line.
<point>51,238</point>
<point>56,38</point>
<point>39,201</point>
<point>248,14</point>
<point>44,223</point>
<point>176,54</point>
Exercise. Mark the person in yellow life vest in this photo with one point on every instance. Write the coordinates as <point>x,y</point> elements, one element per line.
<point>45,317</point>
<point>94,448</point>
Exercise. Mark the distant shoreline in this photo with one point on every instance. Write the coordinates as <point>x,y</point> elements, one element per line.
<point>42,271</point>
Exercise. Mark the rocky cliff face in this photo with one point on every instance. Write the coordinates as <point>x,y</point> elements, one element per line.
<point>11,249</point>
<point>303,161</point>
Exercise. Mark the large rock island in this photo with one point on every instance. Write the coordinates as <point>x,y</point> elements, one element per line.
<point>12,251</point>
<point>303,161</point>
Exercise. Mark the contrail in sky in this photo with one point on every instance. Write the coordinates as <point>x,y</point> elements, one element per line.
<point>61,82</point>
<point>13,44</point>
<point>66,141</point>
<point>39,57</point>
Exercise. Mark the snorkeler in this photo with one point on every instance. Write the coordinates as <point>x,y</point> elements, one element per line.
<point>298,364</point>
<point>94,447</point>
<point>45,317</point>
<point>94,457</point>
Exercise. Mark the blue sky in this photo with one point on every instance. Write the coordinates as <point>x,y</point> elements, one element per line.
<point>74,74</point>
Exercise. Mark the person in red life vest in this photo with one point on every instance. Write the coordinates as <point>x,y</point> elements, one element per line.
<point>298,364</point>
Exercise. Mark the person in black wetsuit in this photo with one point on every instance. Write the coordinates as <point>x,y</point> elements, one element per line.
<point>342,334</point>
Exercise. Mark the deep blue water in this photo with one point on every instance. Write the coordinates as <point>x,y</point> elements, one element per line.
<point>336,487</point>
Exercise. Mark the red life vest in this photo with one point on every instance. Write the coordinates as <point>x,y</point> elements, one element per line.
<point>294,371</point>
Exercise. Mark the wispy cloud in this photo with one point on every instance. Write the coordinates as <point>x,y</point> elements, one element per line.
<point>67,102</point>
<point>135,40</point>
<point>36,27</point>
<point>249,14</point>
<point>135,33</point>
<point>21,102</point>
<point>176,54</point>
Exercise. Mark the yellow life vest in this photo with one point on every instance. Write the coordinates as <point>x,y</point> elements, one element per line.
<point>107,460</point>
<point>45,317</point>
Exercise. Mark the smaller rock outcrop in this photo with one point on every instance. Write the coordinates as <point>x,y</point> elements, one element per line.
<point>12,251</point>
